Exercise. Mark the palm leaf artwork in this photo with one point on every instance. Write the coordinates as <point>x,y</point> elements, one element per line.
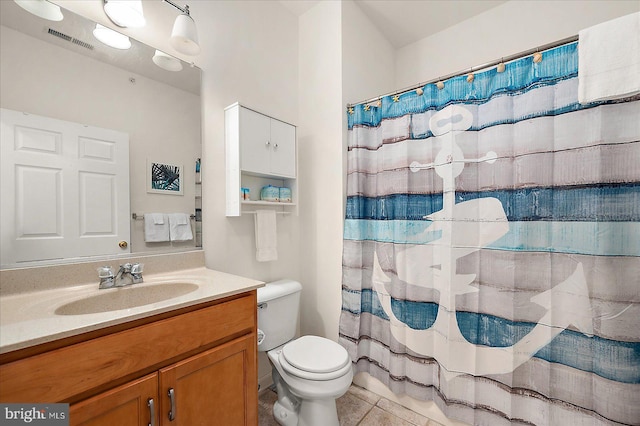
<point>165,177</point>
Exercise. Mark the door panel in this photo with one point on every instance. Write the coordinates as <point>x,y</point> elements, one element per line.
<point>218,387</point>
<point>255,142</point>
<point>283,155</point>
<point>38,191</point>
<point>126,405</point>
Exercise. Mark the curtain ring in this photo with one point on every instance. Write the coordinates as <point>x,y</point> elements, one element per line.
<point>537,57</point>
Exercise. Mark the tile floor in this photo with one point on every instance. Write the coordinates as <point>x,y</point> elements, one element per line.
<point>358,407</point>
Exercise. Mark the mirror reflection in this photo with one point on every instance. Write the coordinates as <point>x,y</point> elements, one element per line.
<point>93,138</point>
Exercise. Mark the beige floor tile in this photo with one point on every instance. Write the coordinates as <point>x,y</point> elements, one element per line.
<point>378,417</point>
<point>266,399</point>
<point>402,412</point>
<point>351,409</point>
<point>433,423</point>
<point>364,394</point>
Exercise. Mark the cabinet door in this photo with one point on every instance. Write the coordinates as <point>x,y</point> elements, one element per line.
<point>126,405</point>
<point>216,387</point>
<point>255,141</point>
<point>283,149</point>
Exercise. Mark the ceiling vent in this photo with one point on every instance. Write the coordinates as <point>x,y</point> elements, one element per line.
<point>68,38</point>
<point>59,34</point>
<point>82,43</point>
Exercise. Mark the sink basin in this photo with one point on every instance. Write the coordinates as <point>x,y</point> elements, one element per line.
<point>125,298</point>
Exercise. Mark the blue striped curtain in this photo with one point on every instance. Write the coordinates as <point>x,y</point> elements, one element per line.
<point>491,256</point>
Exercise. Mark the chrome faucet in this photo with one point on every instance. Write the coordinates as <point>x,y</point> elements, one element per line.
<point>123,277</point>
<point>127,274</point>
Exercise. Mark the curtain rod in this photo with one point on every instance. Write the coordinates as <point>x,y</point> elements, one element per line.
<point>472,69</point>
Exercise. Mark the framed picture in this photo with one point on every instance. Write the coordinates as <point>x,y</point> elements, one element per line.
<point>163,178</point>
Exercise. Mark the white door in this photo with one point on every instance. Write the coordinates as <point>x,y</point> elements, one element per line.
<point>64,189</point>
<point>255,142</point>
<point>283,149</point>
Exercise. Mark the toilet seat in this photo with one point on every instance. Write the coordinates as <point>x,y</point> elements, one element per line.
<point>314,358</point>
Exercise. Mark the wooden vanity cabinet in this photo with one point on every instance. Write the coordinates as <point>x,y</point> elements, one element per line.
<point>210,388</point>
<point>132,404</point>
<point>205,355</point>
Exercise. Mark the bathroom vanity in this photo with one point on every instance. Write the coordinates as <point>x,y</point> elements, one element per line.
<point>187,360</point>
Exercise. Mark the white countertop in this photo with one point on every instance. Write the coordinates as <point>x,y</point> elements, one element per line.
<point>29,319</point>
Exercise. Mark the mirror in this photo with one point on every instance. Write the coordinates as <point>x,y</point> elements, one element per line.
<point>59,70</point>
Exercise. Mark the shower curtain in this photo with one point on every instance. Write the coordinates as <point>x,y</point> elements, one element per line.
<point>491,256</point>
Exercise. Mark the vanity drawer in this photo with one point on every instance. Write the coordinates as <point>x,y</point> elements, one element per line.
<point>68,373</point>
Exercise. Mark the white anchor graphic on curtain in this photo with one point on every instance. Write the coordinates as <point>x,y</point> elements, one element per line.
<point>465,228</point>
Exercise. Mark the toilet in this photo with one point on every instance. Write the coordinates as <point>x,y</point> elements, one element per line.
<point>309,372</point>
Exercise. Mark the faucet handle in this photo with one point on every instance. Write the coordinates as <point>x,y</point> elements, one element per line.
<point>105,272</point>
<point>136,272</point>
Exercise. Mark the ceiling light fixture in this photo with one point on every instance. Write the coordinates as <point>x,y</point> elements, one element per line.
<point>111,38</point>
<point>41,8</point>
<point>125,13</point>
<point>167,62</point>
<point>184,37</point>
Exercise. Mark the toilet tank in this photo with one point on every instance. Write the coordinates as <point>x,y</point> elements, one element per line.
<point>278,308</point>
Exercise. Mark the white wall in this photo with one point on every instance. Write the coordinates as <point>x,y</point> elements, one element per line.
<point>249,56</point>
<point>342,58</point>
<point>512,27</point>
<point>320,97</point>
<point>163,122</point>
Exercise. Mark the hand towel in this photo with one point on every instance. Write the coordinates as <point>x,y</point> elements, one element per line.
<point>156,227</point>
<point>266,237</point>
<point>609,60</point>
<point>180,227</point>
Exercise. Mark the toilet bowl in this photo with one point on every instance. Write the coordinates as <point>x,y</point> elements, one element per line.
<point>309,372</point>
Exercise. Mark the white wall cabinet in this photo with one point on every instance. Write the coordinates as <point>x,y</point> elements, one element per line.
<point>260,150</point>
<point>267,145</point>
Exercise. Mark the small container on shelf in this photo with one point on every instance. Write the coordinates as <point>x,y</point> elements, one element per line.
<point>244,193</point>
<point>270,193</point>
<point>285,195</point>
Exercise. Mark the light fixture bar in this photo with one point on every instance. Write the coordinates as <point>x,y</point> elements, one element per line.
<point>184,10</point>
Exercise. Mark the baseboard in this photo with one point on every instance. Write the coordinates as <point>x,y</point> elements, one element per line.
<point>264,382</point>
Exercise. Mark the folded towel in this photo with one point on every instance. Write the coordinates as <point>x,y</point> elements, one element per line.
<point>266,237</point>
<point>156,228</point>
<point>609,60</point>
<point>180,227</point>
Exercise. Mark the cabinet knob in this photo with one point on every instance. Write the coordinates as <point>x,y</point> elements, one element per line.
<point>275,146</point>
<point>267,143</point>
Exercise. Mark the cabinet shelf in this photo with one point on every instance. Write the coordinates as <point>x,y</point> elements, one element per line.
<point>267,203</point>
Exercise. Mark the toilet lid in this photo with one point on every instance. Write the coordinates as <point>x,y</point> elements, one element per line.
<point>315,354</point>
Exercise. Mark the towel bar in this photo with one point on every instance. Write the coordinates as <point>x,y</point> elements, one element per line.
<point>140,216</point>
<point>276,212</point>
